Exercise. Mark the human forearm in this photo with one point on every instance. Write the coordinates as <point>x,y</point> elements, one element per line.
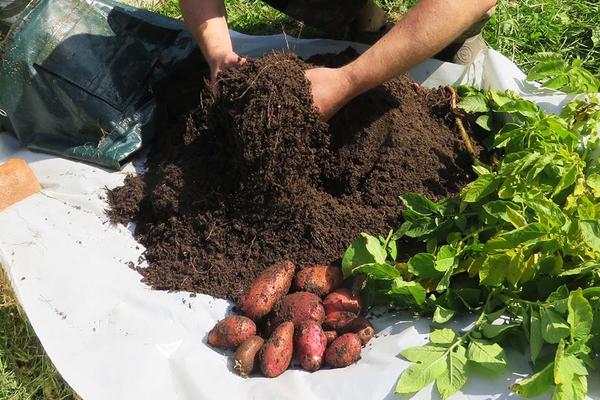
<point>206,20</point>
<point>425,30</point>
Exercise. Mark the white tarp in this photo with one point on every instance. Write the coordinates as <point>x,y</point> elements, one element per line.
<point>111,337</point>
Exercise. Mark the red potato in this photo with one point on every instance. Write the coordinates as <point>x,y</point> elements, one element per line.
<point>298,307</point>
<point>310,344</point>
<point>246,355</point>
<point>344,351</point>
<point>319,279</point>
<point>230,332</point>
<point>331,335</point>
<point>363,329</point>
<point>338,320</point>
<point>270,286</point>
<point>276,354</point>
<point>343,300</point>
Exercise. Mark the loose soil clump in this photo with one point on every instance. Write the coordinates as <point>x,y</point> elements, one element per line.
<point>254,177</point>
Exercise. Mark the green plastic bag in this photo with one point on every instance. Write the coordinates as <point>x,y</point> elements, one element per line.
<point>9,13</point>
<point>77,77</point>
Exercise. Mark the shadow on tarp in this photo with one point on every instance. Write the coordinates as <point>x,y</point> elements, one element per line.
<point>77,77</point>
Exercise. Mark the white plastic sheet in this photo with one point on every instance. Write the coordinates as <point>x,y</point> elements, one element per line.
<point>111,337</point>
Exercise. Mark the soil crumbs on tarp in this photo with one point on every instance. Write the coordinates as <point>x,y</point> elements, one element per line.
<point>254,177</point>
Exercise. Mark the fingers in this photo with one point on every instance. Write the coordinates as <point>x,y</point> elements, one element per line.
<point>230,61</point>
<point>233,63</point>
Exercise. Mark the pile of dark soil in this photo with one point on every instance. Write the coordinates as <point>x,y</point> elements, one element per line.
<point>254,177</point>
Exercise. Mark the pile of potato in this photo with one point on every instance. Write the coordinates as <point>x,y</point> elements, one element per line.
<point>320,322</point>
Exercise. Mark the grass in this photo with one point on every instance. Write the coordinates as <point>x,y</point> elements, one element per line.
<point>520,29</point>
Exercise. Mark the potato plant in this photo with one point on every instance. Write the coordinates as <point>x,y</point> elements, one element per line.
<point>519,247</point>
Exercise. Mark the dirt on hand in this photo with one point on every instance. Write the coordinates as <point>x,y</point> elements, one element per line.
<point>254,177</point>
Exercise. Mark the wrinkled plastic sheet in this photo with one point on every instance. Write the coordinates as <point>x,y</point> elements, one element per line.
<point>111,337</point>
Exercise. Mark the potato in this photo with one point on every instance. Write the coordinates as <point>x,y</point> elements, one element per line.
<point>362,327</point>
<point>331,335</point>
<point>337,320</point>
<point>310,344</point>
<point>246,355</point>
<point>276,354</point>
<point>343,351</point>
<point>298,307</point>
<point>230,332</point>
<point>270,286</point>
<point>343,300</point>
<point>319,279</point>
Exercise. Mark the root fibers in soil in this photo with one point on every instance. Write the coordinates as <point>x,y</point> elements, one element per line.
<point>254,177</point>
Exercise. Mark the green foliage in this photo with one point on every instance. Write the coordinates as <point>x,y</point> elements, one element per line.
<point>556,73</point>
<point>522,29</point>
<point>537,384</point>
<point>449,360</point>
<point>367,253</point>
<point>169,8</point>
<point>516,245</point>
<point>257,18</point>
<point>443,361</point>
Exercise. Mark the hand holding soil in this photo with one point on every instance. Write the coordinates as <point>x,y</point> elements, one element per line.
<point>222,63</point>
<point>331,90</point>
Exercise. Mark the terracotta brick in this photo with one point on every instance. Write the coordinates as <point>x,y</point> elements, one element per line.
<point>17,182</point>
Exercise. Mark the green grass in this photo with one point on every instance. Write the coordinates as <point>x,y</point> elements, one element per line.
<point>520,29</point>
<point>255,17</point>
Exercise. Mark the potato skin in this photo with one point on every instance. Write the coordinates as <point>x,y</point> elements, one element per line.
<point>230,332</point>
<point>344,351</point>
<point>319,279</point>
<point>338,320</point>
<point>298,307</point>
<point>310,344</point>
<point>276,354</point>
<point>362,327</point>
<point>343,300</point>
<point>246,355</point>
<point>331,335</point>
<point>270,286</point>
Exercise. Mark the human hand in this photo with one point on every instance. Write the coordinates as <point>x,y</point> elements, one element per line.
<point>331,90</point>
<point>222,62</point>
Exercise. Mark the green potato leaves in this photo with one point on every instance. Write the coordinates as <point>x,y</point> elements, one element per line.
<point>519,247</point>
